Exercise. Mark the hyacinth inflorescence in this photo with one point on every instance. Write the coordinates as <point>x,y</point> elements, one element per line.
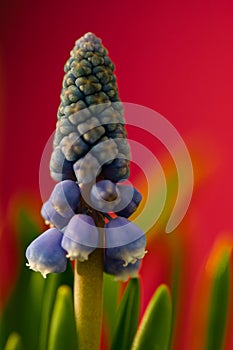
<point>91,156</point>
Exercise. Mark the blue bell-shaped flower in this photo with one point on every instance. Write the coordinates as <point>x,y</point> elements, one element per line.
<point>80,238</point>
<point>104,196</point>
<point>130,199</point>
<point>52,217</point>
<point>124,241</point>
<point>45,253</point>
<point>65,198</point>
<point>122,273</point>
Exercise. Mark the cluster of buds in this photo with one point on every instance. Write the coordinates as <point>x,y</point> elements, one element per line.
<point>90,159</point>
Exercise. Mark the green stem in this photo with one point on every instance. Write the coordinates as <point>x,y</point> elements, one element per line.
<point>88,288</point>
<point>88,300</point>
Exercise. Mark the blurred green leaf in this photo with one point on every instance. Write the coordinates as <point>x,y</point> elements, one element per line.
<point>29,308</point>
<point>127,317</point>
<point>52,283</point>
<point>110,297</point>
<point>62,333</point>
<point>219,304</point>
<point>33,315</point>
<point>155,327</point>
<point>176,286</point>
<point>17,310</point>
<point>27,227</point>
<point>14,342</point>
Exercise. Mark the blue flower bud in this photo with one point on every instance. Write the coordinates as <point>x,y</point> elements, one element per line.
<point>118,133</point>
<point>122,273</point>
<point>123,147</point>
<point>65,198</point>
<point>80,117</point>
<point>58,136</point>
<point>97,98</point>
<point>124,241</point>
<point>60,167</point>
<point>87,169</point>
<point>105,151</point>
<point>109,116</point>
<point>103,73</point>
<point>68,79</point>
<point>88,85</point>
<point>118,170</point>
<point>130,199</point>
<point>71,94</point>
<point>52,217</point>
<point>106,190</point>
<point>45,253</point>
<point>73,108</point>
<point>104,196</point>
<point>73,147</point>
<point>80,238</point>
<point>91,130</point>
<point>65,126</point>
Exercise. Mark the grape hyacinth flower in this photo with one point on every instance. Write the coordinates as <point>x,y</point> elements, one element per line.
<point>121,272</point>
<point>80,237</point>
<point>45,253</point>
<point>91,155</point>
<point>104,196</point>
<point>126,207</point>
<point>52,217</point>
<point>124,241</point>
<point>65,197</point>
<point>88,208</point>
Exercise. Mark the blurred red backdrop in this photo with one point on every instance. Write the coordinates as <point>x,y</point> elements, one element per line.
<point>174,57</point>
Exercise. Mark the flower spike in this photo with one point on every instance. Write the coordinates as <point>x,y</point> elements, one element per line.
<point>90,109</point>
<point>90,156</point>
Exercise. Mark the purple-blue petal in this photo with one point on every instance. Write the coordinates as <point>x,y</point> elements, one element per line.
<point>104,196</point>
<point>45,253</point>
<point>124,240</point>
<point>116,268</point>
<point>81,237</point>
<point>65,198</point>
<point>130,200</point>
<point>53,217</point>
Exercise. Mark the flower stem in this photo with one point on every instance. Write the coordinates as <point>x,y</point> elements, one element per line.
<point>88,298</point>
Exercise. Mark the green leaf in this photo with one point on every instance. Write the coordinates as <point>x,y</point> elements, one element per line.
<point>176,286</point>
<point>127,317</point>
<point>52,283</point>
<point>155,327</point>
<point>110,298</point>
<point>14,342</point>
<point>32,317</point>
<point>219,302</point>
<point>16,312</point>
<point>62,330</point>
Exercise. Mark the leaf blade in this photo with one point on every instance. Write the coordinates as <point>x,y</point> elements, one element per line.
<point>127,316</point>
<point>14,342</point>
<point>16,312</point>
<point>155,327</point>
<point>62,333</point>
<point>110,298</point>
<point>219,301</point>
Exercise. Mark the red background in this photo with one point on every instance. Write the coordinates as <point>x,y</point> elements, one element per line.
<point>173,56</point>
